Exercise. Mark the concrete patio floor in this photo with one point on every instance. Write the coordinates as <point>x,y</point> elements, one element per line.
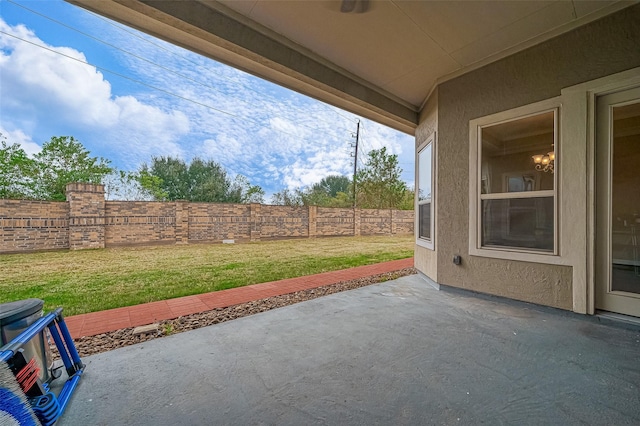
<point>397,353</point>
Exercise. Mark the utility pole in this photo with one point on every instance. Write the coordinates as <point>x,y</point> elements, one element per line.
<point>355,160</point>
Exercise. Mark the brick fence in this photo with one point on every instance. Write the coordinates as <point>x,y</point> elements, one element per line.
<point>86,220</point>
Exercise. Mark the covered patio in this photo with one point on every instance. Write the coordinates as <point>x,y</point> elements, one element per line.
<point>399,352</point>
<point>511,106</point>
<point>402,352</point>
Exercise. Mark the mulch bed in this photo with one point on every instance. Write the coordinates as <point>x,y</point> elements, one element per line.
<point>91,345</point>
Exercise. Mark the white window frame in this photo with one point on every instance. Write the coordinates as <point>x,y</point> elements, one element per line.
<point>476,198</point>
<point>428,243</point>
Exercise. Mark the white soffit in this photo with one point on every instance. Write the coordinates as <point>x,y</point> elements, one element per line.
<point>381,64</point>
<point>406,47</point>
<point>380,46</point>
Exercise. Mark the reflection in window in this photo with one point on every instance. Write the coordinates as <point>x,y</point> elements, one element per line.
<point>424,193</point>
<point>517,183</point>
<point>625,199</point>
<point>518,222</point>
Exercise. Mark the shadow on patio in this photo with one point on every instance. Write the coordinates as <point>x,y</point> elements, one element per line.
<point>399,352</point>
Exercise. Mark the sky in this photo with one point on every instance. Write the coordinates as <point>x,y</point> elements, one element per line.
<point>128,96</point>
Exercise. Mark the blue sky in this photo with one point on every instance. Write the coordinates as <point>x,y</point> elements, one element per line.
<point>142,97</point>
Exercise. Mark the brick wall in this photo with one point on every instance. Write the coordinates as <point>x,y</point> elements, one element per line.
<point>33,225</point>
<point>284,222</point>
<point>86,220</point>
<point>334,222</point>
<point>139,222</point>
<point>403,222</point>
<point>210,222</point>
<point>375,222</point>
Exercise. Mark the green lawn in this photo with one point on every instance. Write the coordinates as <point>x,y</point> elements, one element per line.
<point>94,280</point>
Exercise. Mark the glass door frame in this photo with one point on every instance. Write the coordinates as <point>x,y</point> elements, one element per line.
<point>578,183</point>
<point>605,297</point>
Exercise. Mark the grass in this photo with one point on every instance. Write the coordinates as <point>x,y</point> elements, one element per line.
<point>95,280</point>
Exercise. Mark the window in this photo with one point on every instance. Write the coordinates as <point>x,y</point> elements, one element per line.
<point>425,194</point>
<point>515,172</point>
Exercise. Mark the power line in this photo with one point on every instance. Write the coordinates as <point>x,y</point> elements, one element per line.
<point>355,162</point>
<point>184,57</point>
<point>116,47</point>
<point>119,74</point>
<point>363,138</point>
<point>186,77</point>
<point>146,40</point>
<point>364,143</point>
<point>332,108</point>
<point>149,85</point>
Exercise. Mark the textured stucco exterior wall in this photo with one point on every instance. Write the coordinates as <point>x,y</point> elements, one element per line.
<point>601,48</point>
<point>425,259</point>
<point>598,49</point>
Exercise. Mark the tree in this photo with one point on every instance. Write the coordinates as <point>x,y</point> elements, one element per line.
<point>64,160</point>
<point>313,196</point>
<point>408,201</point>
<point>242,191</point>
<point>331,191</point>
<point>378,183</point>
<point>332,185</point>
<point>342,200</point>
<point>133,186</point>
<point>200,181</point>
<point>208,182</point>
<point>171,178</point>
<point>17,171</point>
<point>151,184</point>
<point>326,192</point>
<point>287,197</point>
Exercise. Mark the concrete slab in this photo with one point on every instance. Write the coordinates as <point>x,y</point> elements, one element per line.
<point>396,353</point>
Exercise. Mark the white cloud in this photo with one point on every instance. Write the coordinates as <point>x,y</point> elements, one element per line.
<point>19,137</point>
<point>225,149</point>
<point>76,97</point>
<point>275,137</point>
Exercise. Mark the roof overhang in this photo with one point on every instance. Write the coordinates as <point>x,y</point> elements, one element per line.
<point>381,64</point>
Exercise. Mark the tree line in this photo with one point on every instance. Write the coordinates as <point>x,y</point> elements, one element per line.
<point>377,186</point>
<point>63,159</point>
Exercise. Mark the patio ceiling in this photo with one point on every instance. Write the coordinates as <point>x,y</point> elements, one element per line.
<point>381,63</point>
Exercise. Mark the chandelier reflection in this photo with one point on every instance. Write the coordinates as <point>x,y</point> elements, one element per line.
<point>545,162</point>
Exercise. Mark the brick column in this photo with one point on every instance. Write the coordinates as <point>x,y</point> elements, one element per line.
<point>182,222</point>
<point>313,219</point>
<point>256,225</point>
<point>86,215</point>
<point>356,222</point>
